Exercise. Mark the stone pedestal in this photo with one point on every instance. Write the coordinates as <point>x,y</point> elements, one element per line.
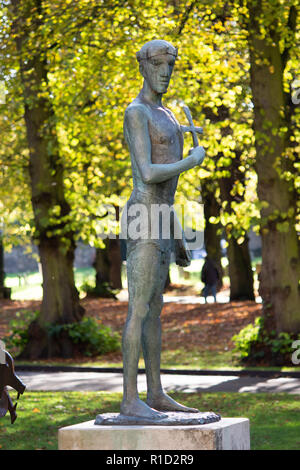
<point>226,434</point>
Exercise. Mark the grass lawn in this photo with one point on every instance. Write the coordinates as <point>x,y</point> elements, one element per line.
<point>170,359</point>
<point>274,418</point>
<point>28,286</point>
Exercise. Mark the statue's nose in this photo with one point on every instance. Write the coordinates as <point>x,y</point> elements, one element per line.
<point>164,71</point>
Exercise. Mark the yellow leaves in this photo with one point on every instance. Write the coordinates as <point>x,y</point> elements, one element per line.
<point>74,142</point>
<point>67,183</point>
<point>218,26</point>
<point>214,220</point>
<point>36,410</point>
<point>56,210</point>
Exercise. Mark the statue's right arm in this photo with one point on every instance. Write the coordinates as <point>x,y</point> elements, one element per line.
<point>137,133</point>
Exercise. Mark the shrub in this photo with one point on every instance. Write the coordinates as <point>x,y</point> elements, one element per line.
<point>91,337</point>
<point>18,337</point>
<point>249,335</point>
<point>100,290</point>
<point>254,344</point>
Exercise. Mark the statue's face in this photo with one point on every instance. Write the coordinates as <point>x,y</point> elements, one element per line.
<point>157,71</point>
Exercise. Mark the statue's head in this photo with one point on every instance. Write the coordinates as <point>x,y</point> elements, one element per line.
<point>157,59</point>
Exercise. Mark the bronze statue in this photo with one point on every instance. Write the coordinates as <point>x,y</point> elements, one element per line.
<point>9,377</point>
<point>155,141</point>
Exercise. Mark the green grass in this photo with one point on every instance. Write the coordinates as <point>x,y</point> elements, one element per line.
<point>28,286</point>
<point>196,359</point>
<point>274,418</point>
<point>173,359</point>
<point>178,359</point>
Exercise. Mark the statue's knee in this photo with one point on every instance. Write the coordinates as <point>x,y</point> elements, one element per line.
<point>140,309</point>
<point>157,304</point>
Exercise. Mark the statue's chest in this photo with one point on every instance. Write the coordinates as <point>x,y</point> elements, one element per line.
<point>166,137</point>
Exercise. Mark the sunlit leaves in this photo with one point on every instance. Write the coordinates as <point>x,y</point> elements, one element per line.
<point>93,75</point>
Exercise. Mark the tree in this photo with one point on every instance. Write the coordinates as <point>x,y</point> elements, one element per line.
<point>273,39</point>
<point>212,235</point>
<point>4,291</point>
<point>71,70</point>
<point>55,240</point>
<point>42,40</point>
<point>221,96</point>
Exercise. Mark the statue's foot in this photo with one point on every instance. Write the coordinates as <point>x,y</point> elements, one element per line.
<point>138,408</point>
<point>163,402</point>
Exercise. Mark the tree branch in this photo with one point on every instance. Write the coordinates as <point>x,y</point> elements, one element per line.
<point>291,24</point>
<point>186,17</point>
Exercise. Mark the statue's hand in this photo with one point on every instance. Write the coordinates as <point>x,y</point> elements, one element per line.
<point>198,154</point>
<point>182,253</point>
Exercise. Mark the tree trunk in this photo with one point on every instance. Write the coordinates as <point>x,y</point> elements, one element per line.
<point>108,261</point>
<point>240,270</point>
<point>60,297</point>
<point>5,292</point>
<point>240,267</point>
<point>115,257</point>
<point>1,268</point>
<point>212,239</point>
<point>115,261</point>
<point>55,240</point>
<point>280,271</point>
<point>101,265</point>
<point>108,264</point>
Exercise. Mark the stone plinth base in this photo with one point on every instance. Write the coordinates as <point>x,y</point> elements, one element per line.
<point>226,434</point>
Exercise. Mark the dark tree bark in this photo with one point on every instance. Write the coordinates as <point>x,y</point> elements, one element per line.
<point>212,237</point>
<point>115,257</point>
<point>1,268</point>
<point>108,263</point>
<point>101,265</point>
<point>60,304</point>
<point>115,260</point>
<point>240,270</point>
<point>280,270</point>
<point>5,292</point>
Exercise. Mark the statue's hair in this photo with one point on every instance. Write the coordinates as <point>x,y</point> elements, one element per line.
<point>154,48</point>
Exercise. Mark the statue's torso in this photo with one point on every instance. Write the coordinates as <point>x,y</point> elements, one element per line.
<point>166,147</point>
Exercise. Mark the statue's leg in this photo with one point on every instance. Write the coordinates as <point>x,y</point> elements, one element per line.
<point>151,341</point>
<point>142,272</point>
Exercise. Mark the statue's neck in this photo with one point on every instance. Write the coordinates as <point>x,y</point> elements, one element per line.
<point>149,95</point>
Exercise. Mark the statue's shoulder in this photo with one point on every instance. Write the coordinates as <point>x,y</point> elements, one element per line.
<point>137,110</point>
<point>169,112</point>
